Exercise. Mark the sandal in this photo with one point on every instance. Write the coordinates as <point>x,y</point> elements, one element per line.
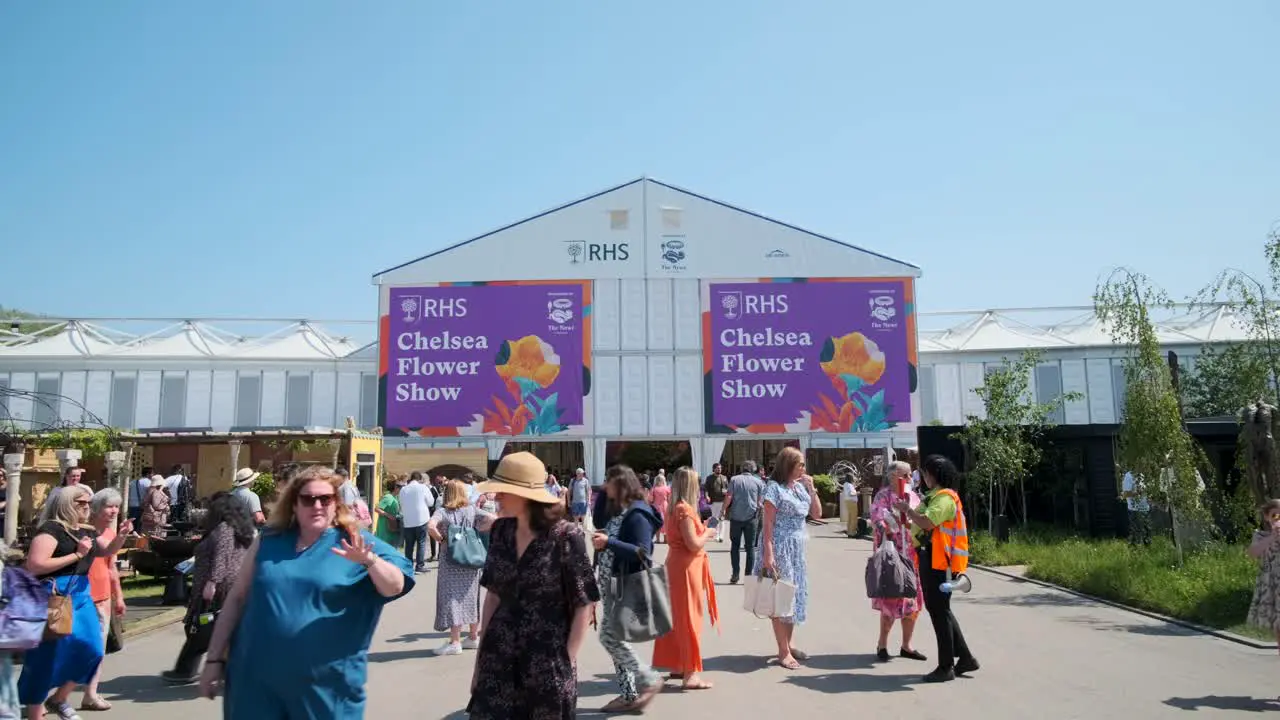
<point>789,663</point>
<point>95,704</point>
<point>618,705</point>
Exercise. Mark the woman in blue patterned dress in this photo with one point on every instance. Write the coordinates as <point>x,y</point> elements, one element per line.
<point>457,586</point>
<point>789,498</point>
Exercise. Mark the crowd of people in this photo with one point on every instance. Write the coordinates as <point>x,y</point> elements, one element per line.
<point>285,595</point>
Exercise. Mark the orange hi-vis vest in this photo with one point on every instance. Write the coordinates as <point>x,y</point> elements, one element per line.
<point>950,540</point>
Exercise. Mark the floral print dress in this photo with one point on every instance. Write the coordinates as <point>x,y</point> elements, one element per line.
<point>523,670</point>
<point>1264,611</point>
<point>882,514</point>
<point>790,541</point>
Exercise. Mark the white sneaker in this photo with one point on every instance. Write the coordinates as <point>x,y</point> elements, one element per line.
<point>449,649</point>
<point>471,644</point>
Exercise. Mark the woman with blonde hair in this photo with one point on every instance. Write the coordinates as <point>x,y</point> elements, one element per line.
<point>457,586</point>
<point>292,637</point>
<point>689,577</point>
<point>789,498</point>
<point>61,554</point>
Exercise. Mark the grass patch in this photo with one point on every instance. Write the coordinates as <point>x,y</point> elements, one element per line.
<point>1213,587</point>
<point>141,586</point>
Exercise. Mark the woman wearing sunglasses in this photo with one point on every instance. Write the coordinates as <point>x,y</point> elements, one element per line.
<point>292,635</point>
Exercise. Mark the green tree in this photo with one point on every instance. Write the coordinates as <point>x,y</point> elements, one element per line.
<point>10,315</point>
<point>1004,444</point>
<point>1225,380</point>
<point>1254,303</point>
<point>1154,444</point>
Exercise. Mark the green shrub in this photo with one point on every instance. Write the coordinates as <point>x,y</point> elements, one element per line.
<point>264,485</point>
<point>828,490</point>
<point>1213,587</point>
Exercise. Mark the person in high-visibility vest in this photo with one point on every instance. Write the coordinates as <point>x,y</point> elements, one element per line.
<point>942,541</point>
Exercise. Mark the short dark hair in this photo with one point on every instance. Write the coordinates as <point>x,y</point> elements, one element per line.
<point>629,488</point>
<point>227,508</point>
<point>942,470</point>
<point>343,472</point>
<point>543,516</point>
<point>147,472</point>
<point>286,472</point>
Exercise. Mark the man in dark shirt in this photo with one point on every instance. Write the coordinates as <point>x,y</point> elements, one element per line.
<point>717,488</point>
<point>742,507</point>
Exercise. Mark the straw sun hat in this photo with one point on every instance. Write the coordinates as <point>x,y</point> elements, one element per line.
<point>244,476</point>
<point>521,474</point>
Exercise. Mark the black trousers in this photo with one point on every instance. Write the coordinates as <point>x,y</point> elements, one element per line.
<point>951,644</point>
<point>741,531</point>
<point>196,645</point>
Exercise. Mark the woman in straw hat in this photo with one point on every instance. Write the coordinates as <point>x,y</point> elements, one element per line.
<point>540,601</point>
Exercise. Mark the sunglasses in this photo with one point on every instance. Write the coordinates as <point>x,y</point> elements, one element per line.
<point>325,500</point>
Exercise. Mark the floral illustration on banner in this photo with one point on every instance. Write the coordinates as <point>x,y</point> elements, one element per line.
<point>852,362</point>
<point>527,366</point>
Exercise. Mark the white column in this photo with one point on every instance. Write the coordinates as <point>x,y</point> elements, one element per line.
<point>495,446</point>
<point>712,449</point>
<point>12,496</point>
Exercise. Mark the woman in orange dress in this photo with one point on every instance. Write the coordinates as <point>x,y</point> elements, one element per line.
<point>660,498</point>
<point>689,576</point>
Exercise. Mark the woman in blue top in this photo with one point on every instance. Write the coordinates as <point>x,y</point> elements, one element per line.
<point>789,498</point>
<point>294,631</point>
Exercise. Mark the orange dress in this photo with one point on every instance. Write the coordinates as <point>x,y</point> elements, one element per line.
<point>689,575</point>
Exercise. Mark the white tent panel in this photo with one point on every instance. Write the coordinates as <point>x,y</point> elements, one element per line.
<point>97,394</point>
<point>72,405</point>
<point>199,399</point>
<point>148,409</point>
<point>72,341</point>
<point>273,386</point>
<point>189,343</point>
<point>222,408</point>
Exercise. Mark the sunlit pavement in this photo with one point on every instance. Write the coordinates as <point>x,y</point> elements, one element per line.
<point>1045,655</point>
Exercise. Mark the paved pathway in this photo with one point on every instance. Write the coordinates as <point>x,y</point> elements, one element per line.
<point>1045,654</point>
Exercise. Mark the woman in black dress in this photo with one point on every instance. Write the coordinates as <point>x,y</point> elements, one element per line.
<point>540,601</point>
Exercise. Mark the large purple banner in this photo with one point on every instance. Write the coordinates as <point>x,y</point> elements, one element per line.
<point>505,359</point>
<point>811,356</point>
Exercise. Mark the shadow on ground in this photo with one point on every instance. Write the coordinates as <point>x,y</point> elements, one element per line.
<point>1041,599</point>
<point>1218,702</point>
<point>1153,630</point>
<point>146,689</point>
<point>837,683</point>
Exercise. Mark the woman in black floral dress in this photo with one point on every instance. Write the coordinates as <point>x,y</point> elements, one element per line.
<point>540,601</point>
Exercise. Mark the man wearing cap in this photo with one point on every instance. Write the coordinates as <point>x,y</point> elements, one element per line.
<point>246,495</point>
<point>579,495</point>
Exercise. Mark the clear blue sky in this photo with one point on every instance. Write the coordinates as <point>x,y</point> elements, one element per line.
<point>265,158</point>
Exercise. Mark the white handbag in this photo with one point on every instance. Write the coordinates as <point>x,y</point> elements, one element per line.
<point>769,597</point>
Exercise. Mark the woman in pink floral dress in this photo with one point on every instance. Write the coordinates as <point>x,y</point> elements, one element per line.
<point>660,498</point>
<point>889,526</point>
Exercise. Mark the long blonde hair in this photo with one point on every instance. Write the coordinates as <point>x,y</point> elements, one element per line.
<point>456,494</point>
<point>684,489</point>
<point>282,517</point>
<point>61,506</point>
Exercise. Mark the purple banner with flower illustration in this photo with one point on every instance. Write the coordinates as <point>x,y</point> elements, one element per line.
<point>809,356</point>
<point>474,359</point>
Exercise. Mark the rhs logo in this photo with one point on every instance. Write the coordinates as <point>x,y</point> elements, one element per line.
<point>409,306</point>
<point>731,303</point>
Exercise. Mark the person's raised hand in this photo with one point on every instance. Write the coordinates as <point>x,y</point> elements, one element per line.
<point>356,550</point>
